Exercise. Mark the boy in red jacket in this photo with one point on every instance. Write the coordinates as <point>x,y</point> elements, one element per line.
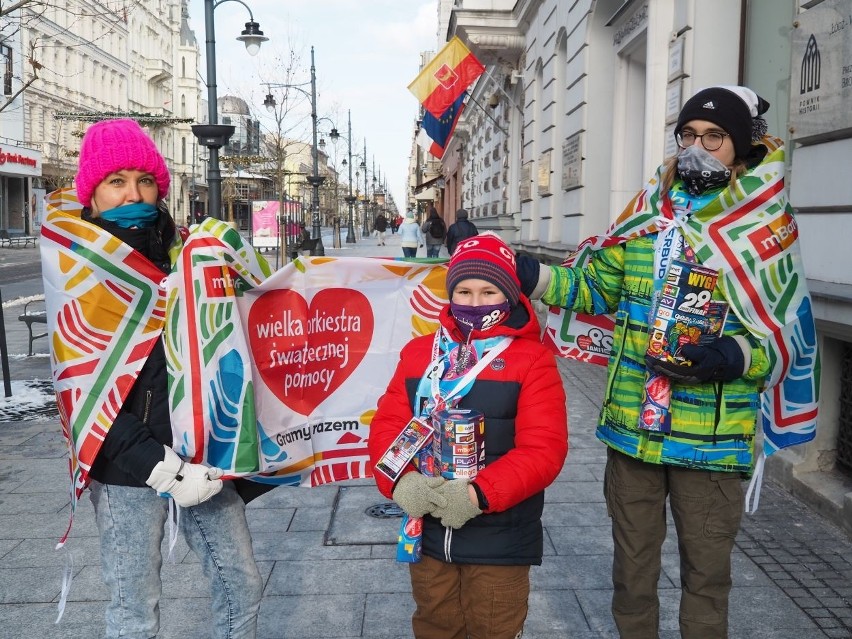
<point>480,536</point>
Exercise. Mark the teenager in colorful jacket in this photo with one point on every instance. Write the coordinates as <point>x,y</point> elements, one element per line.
<point>711,204</point>
<point>122,181</point>
<point>479,537</point>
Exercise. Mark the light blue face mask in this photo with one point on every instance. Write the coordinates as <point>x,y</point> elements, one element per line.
<point>138,214</point>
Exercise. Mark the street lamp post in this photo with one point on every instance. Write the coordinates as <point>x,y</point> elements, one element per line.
<point>315,180</point>
<point>364,231</point>
<point>213,135</point>
<point>350,228</point>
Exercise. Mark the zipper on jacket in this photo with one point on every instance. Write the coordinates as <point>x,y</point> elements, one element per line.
<point>448,543</point>
<point>146,413</point>
<point>718,417</point>
<point>611,380</point>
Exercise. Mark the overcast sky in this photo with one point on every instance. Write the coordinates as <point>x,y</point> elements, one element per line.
<point>366,51</point>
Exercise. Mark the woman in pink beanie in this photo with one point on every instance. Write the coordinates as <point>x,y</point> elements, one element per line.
<point>121,182</point>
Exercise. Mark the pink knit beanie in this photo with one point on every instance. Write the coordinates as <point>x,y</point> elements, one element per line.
<point>117,145</point>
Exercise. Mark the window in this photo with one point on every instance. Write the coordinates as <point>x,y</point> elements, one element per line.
<point>183,150</point>
<point>7,69</point>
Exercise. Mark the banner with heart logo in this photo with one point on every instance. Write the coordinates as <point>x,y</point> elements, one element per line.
<point>277,378</point>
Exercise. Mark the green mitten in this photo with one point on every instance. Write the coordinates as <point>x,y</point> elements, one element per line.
<point>416,495</point>
<point>459,509</point>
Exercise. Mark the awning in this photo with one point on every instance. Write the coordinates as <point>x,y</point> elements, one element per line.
<point>428,194</point>
<point>428,184</point>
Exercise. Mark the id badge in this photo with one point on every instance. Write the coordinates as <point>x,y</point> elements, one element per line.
<point>413,437</point>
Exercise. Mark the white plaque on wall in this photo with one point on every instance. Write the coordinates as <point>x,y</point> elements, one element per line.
<point>524,188</point>
<point>821,79</point>
<point>572,162</point>
<point>670,147</point>
<point>673,97</point>
<point>544,173</point>
<point>676,58</point>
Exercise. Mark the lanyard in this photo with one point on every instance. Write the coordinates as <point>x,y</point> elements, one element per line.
<point>436,369</point>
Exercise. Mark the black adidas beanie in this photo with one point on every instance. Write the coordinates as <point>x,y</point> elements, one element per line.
<point>736,109</point>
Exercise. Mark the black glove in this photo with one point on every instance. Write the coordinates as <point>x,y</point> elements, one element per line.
<point>527,269</point>
<point>722,360</point>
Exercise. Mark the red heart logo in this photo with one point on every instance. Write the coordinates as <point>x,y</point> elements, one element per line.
<point>305,353</point>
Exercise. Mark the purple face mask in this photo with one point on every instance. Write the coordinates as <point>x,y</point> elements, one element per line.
<point>480,318</point>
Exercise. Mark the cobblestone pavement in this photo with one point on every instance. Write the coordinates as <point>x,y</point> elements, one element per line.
<point>805,556</point>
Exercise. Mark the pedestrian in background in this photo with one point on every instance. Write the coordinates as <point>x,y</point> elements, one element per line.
<point>435,231</point>
<point>381,227</point>
<point>122,182</point>
<point>723,186</point>
<point>460,230</point>
<point>410,236</point>
<point>480,537</point>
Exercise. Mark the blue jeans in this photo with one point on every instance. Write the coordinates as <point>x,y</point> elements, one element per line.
<point>131,523</point>
<point>432,250</point>
<point>409,251</point>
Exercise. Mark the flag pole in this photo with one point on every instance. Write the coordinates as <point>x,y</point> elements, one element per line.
<point>503,91</point>
<point>486,112</point>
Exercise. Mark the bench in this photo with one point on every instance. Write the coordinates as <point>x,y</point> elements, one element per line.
<point>30,318</point>
<point>16,241</point>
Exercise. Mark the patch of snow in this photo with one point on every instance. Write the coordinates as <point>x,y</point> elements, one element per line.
<point>30,399</point>
<point>20,301</point>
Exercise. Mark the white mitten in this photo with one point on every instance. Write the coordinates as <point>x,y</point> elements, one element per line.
<point>187,484</point>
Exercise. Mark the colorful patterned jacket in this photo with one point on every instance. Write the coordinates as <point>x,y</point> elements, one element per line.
<point>748,233</point>
<point>713,424</point>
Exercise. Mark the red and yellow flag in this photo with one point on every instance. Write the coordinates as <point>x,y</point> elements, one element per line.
<point>453,69</point>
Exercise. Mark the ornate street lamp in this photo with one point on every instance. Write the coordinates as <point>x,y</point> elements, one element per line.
<point>350,200</point>
<point>315,180</point>
<point>213,135</point>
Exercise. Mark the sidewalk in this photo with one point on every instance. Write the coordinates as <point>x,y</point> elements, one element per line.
<point>329,566</point>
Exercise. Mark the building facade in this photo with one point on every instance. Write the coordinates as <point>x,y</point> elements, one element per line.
<point>577,109</point>
<point>20,162</point>
<point>99,60</point>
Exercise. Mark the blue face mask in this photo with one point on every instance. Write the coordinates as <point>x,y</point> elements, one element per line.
<point>137,214</point>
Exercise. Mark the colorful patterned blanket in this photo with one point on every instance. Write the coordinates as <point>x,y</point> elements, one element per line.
<point>272,376</point>
<point>278,379</point>
<point>749,234</point>
<point>106,308</point>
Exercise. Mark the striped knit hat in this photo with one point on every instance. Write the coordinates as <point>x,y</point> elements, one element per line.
<point>485,257</point>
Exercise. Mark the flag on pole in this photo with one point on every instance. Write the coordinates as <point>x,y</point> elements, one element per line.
<point>435,132</point>
<point>453,69</point>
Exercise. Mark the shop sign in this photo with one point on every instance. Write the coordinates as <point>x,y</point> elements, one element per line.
<point>18,161</point>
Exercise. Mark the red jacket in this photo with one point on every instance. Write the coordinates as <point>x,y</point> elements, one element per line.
<point>526,440</point>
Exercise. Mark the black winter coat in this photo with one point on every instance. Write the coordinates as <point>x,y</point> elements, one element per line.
<point>458,231</point>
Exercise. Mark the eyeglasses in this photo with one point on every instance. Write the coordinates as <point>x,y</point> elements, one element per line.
<point>712,140</point>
